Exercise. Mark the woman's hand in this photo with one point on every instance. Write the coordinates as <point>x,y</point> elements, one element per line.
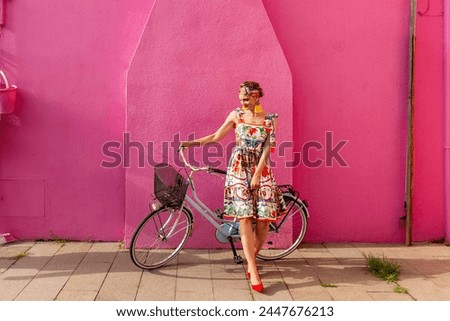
<point>255,181</point>
<point>185,144</point>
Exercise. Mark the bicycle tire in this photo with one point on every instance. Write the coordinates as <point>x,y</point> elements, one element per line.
<point>283,238</point>
<point>160,236</point>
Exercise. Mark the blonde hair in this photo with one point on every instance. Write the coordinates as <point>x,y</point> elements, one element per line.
<point>250,87</point>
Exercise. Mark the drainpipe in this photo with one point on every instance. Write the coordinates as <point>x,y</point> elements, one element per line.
<point>410,143</point>
<point>447,118</point>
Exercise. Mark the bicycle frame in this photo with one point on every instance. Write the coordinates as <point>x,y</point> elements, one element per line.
<point>201,207</point>
<point>205,211</point>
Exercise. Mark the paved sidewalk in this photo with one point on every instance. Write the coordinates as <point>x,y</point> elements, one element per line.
<point>103,271</point>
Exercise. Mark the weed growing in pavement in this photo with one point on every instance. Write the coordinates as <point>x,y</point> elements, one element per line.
<point>19,255</point>
<point>383,268</point>
<point>386,270</point>
<point>326,285</point>
<point>400,289</point>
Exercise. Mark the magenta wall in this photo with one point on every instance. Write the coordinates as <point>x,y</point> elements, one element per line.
<point>69,61</point>
<point>428,201</point>
<point>88,71</point>
<point>349,65</point>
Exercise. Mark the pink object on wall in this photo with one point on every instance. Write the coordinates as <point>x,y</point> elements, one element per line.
<point>184,79</point>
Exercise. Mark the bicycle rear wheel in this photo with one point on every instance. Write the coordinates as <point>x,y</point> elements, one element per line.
<point>286,234</point>
<point>160,236</point>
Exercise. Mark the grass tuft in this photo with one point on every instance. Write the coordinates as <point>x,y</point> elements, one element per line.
<point>19,255</point>
<point>326,285</point>
<point>400,289</point>
<point>383,268</point>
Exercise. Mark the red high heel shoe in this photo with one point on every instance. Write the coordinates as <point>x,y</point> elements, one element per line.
<point>248,275</point>
<point>258,287</point>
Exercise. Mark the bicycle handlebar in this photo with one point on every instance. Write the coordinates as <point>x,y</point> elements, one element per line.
<point>195,168</point>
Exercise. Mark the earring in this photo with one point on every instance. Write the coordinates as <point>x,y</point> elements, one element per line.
<point>258,108</point>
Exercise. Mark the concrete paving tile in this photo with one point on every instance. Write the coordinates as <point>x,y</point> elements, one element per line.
<point>316,293</point>
<point>277,291</point>
<point>296,254</point>
<point>194,285</point>
<point>228,273</point>
<point>16,278</point>
<point>5,264</point>
<point>442,281</point>
<point>379,296</point>
<point>156,287</point>
<point>322,261</point>
<point>102,271</point>
<point>380,287</point>
<point>349,293</point>
<point>339,275</point>
<point>344,251</point>
<point>406,269</point>
<point>233,295</point>
<point>67,295</point>
<point>88,277</point>
<point>229,285</point>
<point>122,281</point>
<point>102,252</point>
<point>312,246</point>
<point>193,257</point>
<point>315,251</point>
<point>55,273</point>
<point>300,283</point>
<point>10,250</point>
<point>294,263</point>
<point>429,250</point>
<point>425,290</point>
<point>431,267</point>
<point>52,282</point>
<point>194,296</point>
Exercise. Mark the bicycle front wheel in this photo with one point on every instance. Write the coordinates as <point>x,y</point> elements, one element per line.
<point>160,236</point>
<point>286,233</point>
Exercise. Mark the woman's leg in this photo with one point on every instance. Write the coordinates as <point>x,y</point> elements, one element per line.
<point>261,230</point>
<point>248,245</point>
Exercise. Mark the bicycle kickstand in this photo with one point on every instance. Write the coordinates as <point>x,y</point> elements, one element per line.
<point>236,257</point>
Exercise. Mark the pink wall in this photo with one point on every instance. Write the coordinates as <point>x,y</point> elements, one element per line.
<point>327,66</point>
<point>187,82</point>
<point>69,61</point>
<point>428,202</point>
<point>349,66</point>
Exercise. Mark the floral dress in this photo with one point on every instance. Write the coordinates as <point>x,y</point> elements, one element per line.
<point>240,201</point>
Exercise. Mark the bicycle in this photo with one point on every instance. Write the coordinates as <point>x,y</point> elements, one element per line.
<point>164,232</point>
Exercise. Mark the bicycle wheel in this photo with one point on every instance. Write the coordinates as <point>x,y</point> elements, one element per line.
<point>286,234</point>
<point>160,236</point>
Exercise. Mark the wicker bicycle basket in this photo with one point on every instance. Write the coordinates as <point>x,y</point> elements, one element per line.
<point>169,185</point>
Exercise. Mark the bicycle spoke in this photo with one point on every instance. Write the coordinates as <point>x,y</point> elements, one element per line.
<point>286,234</point>
<point>160,237</point>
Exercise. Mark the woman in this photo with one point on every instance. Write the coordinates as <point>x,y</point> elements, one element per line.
<point>250,189</point>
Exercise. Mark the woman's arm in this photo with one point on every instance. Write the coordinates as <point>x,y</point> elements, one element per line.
<point>263,161</point>
<point>215,137</point>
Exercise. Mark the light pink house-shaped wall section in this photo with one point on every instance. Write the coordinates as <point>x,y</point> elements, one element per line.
<point>184,79</point>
